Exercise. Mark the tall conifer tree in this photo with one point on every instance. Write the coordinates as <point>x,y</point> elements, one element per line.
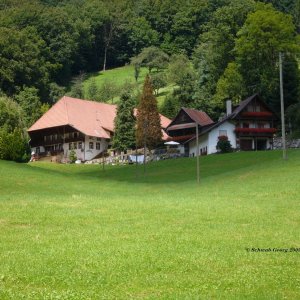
<point>148,130</point>
<point>124,137</point>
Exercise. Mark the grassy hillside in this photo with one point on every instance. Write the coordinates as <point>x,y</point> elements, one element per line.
<point>78,232</point>
<point>120,76</point>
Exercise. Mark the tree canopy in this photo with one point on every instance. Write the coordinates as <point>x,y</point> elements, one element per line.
<point>206,51</point>
<point>152,58</point>
<point>13,141</point>
<point>264,35</point>
<point>124,137</point>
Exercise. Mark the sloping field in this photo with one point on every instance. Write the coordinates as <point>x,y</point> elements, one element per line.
<point>78,232</point>
<point>120,76</point>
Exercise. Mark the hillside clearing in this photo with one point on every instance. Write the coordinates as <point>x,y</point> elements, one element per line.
<point>120,76</point>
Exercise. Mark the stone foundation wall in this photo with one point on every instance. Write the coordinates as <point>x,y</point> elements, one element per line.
<point>277,143</point>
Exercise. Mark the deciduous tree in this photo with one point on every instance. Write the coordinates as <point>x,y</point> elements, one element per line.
<point>216,44</point>
<point>11,116</point>
<point>13,145</point>
<point>158,81</point>
<point>230,86</point>
<point>152,58</point>
<point>266,33</point>
<point>23,60</point>
<point>141,35</point>
<point>30,103</point>
<point>13,140</point>
<point>93,90</point>
<point>77,86</point>
<point>170,107</point>
<point>108,91</point>
<point>179,68</point>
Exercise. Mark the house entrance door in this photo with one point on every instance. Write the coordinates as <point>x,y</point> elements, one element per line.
<point>246,144</point>
<point>261,144</point>
<point>186,150</point>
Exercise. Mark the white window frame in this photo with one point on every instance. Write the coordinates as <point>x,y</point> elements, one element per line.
<point>223,133</point>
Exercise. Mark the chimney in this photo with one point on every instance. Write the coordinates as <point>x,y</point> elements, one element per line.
<point>228,107</point>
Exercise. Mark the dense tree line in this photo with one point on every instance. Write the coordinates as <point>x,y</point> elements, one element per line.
<point>210,50</point>
<point>45,43</point>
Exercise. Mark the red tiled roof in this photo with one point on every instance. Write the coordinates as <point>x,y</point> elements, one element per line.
<point>89,117</point>
<point>164,121</point>
<point>182,126</point>
<point>198,116</point>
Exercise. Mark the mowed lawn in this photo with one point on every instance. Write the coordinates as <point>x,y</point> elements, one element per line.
<point>78,232</point>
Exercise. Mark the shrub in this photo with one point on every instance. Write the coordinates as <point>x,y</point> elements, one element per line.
<point>224,144</point>
<point>72,156</point>
<point>13,146</point>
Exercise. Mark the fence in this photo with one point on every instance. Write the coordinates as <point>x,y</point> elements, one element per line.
<point>294,143</point>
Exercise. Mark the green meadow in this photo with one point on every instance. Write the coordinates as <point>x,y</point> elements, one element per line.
<point>120,76</point>
<point>81,232</point>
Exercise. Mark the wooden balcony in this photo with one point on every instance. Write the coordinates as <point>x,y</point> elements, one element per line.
<point>80,138</point>
<point>48,142</point>
<point>255,131</point>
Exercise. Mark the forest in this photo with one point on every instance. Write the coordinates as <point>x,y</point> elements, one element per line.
<point>211,50</point>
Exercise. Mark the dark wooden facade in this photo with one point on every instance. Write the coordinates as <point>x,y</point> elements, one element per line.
<point>183,127</point>
<point>255,124</point>
<point>52,139</point>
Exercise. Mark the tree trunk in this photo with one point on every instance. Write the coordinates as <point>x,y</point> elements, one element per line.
<point>105,55</point>
<point>144,162</point>
<point>108,34</point>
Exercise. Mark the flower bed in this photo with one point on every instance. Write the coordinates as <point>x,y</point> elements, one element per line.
<point>257,114</point>
<point>256,130</point>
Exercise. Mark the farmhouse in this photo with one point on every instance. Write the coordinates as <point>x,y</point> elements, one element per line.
<point>249,126</point>
<point>85,126</point>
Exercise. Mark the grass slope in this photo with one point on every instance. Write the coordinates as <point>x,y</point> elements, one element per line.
<point>120,76</point>
<point>78,232</point>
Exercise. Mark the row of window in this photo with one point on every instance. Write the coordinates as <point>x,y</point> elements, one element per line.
<point>254,108</point>
<point>79,145</point>
<point>54,137</point>
<point>72,135</point>
<point>56,147</point>
<point>91,145</point>
<point>68,135</point>
<point>75,146</point>
<point>98,139</point>
<point>257,125</point>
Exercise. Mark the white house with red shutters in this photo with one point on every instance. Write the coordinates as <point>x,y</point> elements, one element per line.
<point>248,126</point>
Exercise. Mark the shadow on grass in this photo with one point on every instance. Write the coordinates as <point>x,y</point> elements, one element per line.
<point>92,75</point>
<point>162,93</point>
<point>164,172</point>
